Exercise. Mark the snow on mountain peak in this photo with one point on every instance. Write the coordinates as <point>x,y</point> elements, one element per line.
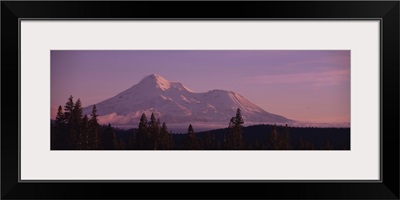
<point>157,81</point>
<point>174,103</point>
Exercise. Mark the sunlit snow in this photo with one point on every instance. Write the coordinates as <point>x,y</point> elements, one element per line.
<point>172,102</point>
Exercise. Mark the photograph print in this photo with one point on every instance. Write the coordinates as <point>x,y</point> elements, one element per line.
<point>200,100</point>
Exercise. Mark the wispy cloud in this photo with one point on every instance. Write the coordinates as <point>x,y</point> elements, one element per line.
<point>113,118</point>
<point>326,78</point>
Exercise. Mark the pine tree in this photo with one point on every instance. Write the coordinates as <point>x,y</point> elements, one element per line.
<point>154,130</point>
<point>191,140</point>
<point>164,137</point>
<point>142,136</point>
<point>230,138</point>
<point>59,117</point>
<point>239,128</point>
<point>69,119</point>
<point>232,122</point>
<point>234,140</point>
<point>238,119</point>
<point>57,133</point>
<point>68,110</point>
<point>77,125</point>
<point>78,110</point>
<point>143,124</point>
<point>94,139</point>
<point>85,133</point>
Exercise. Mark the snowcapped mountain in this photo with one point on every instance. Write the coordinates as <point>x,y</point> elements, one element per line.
<point>172,102</point>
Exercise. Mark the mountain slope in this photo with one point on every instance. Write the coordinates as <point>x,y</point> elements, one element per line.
<point>172,102</point>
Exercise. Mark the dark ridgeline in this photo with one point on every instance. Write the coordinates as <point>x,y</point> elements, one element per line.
<point>72,131</point>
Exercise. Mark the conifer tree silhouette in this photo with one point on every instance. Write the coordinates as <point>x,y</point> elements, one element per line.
<point>234,140</point>
<point>94,138</point>
<point>142,136</point>
<point>191,140</point>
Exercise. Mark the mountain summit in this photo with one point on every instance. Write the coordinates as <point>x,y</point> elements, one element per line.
<point>172,102</point>
<point>155,81</point>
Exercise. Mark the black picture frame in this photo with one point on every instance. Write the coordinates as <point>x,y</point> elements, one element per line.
<point>386,11</point>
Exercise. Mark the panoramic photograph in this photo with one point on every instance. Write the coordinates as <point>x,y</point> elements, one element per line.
<point>200,100</point>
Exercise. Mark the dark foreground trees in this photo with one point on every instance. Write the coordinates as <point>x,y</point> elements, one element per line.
<point>150,135</point>
<point>191,142</point>
<point>72,131</point>
<point>234,139</point>
<point>279,140</point>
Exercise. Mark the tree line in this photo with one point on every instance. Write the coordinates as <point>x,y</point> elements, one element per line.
<point>73,131</point>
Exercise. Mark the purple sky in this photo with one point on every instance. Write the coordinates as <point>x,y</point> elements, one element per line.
<point>302,85</point>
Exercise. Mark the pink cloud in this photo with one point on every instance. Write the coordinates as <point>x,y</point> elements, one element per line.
<point>113,118</point>
<point>317,79</point>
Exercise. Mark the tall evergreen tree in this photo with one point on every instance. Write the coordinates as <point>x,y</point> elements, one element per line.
<point>68,110</point>
<point>85,133</point>
<point>78,111</point>
<point>77,125</point>
<point>232,123</point>
<point>238,119</point>
<point>57,133</point>
<point>69,119</point>
<point>164,137</point>
<point>239,130</point>
<point>94,139</point>
<point>230,137</point>
<point>59,117</point>
<point>142,136</point>
<point>191,140</point>
<point>234,139</point>
<point>154,130</point>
